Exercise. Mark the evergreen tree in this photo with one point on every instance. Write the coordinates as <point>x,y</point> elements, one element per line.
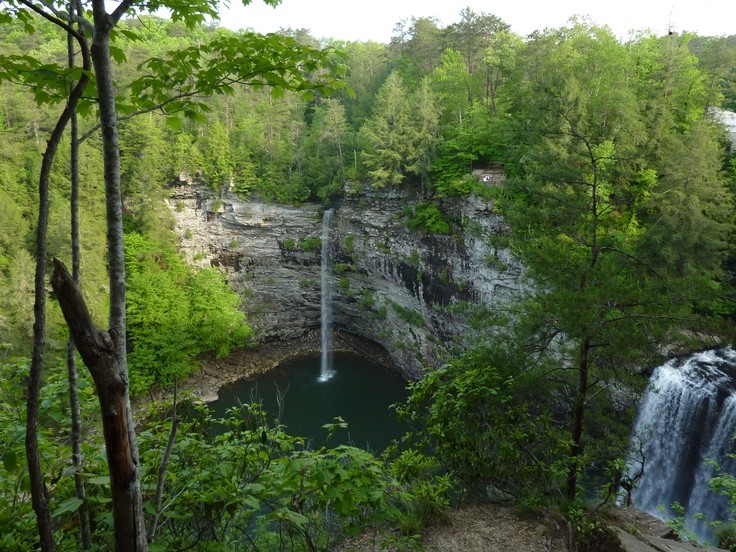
<point>388,148</point>
<point>600,301</point>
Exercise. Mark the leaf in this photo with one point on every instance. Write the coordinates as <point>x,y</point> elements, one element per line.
<point>10,460</point>
<point>117,54</point>
<point>173,122</point>
<point>295,518</point>
<point>70,505</point>
<point>99,480</point>
<point>130,35</point>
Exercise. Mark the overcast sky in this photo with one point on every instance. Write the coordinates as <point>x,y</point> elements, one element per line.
<point>363,20</point>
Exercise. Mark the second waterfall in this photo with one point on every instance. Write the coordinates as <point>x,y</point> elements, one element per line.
<point>326,371</point>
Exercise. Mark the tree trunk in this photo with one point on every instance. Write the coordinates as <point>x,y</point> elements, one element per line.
<point>577,422</point>
<point>99,353</point>
<point>39,493</point>
<point>110,358</point>
<point>85,538</point>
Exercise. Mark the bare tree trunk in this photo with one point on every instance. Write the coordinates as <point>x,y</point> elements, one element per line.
<point>85,536</point>
<point>163,467</point>
<point>578,418</point>
<point>39,492</point>
<point>98,349</point>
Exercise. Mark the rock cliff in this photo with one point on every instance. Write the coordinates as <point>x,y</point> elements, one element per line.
<point>407,291</point>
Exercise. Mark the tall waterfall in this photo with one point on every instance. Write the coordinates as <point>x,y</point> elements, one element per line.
<point>326,310</point>
<point>687,415</point>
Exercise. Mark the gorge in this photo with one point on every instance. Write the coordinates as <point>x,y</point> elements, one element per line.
<point>401,294</point>
<point>404,298</point>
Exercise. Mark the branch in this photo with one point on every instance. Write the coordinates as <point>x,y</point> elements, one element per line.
<point>637,260</point>
<point>163,467</point>
<point>91,342</point>
<point>124,6</point>
<point>57,18</point>
<point>156,107</point>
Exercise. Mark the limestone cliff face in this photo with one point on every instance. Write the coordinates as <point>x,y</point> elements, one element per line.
<point>406,291</point>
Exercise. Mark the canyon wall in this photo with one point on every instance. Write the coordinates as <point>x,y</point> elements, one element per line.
<point>410,292</point>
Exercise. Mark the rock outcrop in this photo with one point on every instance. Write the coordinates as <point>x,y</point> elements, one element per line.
<point>407,291</point>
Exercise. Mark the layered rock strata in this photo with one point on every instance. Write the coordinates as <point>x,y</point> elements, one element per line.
<point>407,291</point>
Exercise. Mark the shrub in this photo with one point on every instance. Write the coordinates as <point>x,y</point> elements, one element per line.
<point>427,218</point>
<point>476,417</point>
<point>341,268</point>
<point>350,244</point>
<point>311,244</point>
<point>410,316</point>
<point>175,313</point>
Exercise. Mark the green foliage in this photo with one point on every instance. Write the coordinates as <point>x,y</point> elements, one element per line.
<point>252,486</point>
<point>482,418</point>
<point>234,483</point>
<point>367,299</point>
<point>341,268</point>
<point>429,491</point>
<point>174,314</point>
<point>410,316</point>
<point>17,519</point>
<point>350,244</point>
<point>310,244</point>
<point>726,536</point>
<point>429,219</point>
<point>385,136</point>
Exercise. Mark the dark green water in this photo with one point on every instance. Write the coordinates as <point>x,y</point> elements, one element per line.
<point>359,391</point>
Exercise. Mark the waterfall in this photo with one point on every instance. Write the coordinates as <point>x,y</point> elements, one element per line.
<point>326,310</point>
<point>687,415</point>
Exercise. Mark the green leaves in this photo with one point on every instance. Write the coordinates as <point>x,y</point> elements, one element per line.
<point>50,83</point>
<point>175,314</point>
<point>473,415</point>
<point>276,61</point>
<point>68,506</point>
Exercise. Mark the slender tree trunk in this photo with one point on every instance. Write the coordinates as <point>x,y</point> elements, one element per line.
<point>578,418</point>
<point>110,362</point>
<point>83,513</point>
<point>163,467</point>
<point>39,492</point>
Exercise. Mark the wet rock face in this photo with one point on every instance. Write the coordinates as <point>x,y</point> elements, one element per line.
<point>404,290</point>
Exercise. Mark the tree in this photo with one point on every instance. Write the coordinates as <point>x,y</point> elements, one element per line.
<point>326,141</point>
<point>472,37</point>
<point>498,60</point>
<point>105,352</point>
<point>75,412</point>
<point>601,304</point>
<point>386,136</point>
<point>419,45</point>
<point>218,160</point>
<point>449,81</point>
<point>426,136</point>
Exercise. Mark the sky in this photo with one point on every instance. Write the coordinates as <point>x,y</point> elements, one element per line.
<point>363,20</point>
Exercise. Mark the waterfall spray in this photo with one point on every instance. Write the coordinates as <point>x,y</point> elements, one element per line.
<point>326,371</point>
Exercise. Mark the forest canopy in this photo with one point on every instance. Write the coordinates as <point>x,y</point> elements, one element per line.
<point>619,189</point>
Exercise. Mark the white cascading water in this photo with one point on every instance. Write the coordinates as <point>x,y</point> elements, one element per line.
<point>326,371</point>
<point>687,415</point>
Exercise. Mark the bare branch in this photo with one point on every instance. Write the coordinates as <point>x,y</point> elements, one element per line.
<point>163,467</point>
